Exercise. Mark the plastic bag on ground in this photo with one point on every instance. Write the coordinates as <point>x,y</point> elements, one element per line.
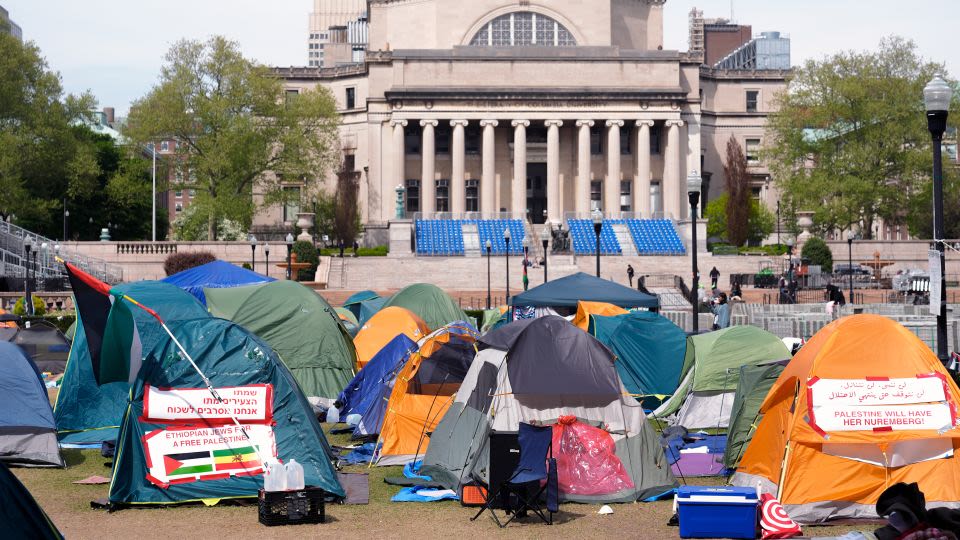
<point>586,459</point>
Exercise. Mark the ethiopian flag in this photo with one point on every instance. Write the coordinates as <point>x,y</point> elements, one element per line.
<point>112,337</point>
<point>234,459</point>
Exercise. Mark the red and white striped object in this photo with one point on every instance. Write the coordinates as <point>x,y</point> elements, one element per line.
<point>774,521</point>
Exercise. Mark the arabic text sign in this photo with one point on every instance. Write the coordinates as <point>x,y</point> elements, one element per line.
<point>181,455</point>
<point>252,403</point>
<point>861,392</point>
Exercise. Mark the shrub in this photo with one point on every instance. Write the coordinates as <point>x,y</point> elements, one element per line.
<point>39,307</point>
<point>307,253</point>
<point>817,252</point>
<point>246,266</point>
<point>178,262</point>
<point>378,251</point>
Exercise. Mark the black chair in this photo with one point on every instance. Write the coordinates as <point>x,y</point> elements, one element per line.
<point>523,491</point>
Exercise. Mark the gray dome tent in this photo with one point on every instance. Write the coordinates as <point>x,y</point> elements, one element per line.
<point>524,375</point>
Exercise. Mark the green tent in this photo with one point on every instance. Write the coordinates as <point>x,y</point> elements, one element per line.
<point>755,382</point>
<point>428,302</point>
<point>87,413</point>
<point>650,352</point>
<point>71,330</point>
<point>178,444</point>
<point>490,318</point>
<point>710,370</point>
<point>346,315</point>
<point>299,325</point>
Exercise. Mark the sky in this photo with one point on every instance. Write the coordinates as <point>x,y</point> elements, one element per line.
<point>115,48</point>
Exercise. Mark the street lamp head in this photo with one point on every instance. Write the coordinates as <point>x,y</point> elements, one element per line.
<point>597,217</point>
<point>937,95</point>
<point>790,243</point>
<point>66,213</point>
<point>56,249</point>
<point>289,239</point>
<point>694,182</point>
<point>546,230</point>
<point>253,240</point>
<point>525,243</point>
<point>266,249</point>
<point>488,245</point>
<point>44,246</point>
<point>28,244</point>
<point>506,235</point>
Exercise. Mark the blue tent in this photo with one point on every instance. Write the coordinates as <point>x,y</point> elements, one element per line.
<point>215,275</point>
<point>379,371</point>
<point>87,413</point>
<point>567,291</point>
<point>650,351</point>
<point>28,435</point>
<point>368,308</point>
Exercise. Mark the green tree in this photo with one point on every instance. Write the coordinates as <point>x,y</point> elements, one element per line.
<point>235,126</point>
<point>850,139</point>
<point>817,251</point>
<point>346,217</point>
<point>44,156</point>
<point>738,193</point>
<point>760,221</point>
<point>920,219</point>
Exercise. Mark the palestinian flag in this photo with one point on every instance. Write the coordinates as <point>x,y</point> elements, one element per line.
<point>109,327</point>
<point>188,463</point>
<point>526,263</point>
<point>236,459</point>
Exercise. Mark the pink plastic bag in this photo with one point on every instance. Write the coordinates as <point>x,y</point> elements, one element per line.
<point>587,463</point>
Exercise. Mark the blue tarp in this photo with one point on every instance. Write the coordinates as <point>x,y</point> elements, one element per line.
<point>359,392</point>
<point>23,396</point>
<point>567,291</point>
<point>215,275</point>
<point>421,493</point>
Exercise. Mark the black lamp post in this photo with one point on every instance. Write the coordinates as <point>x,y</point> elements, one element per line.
<point>545,240</point>
<point>289,242</point>
<point>253,253</point>
<point>597,227</point>
<point>66,217</point>
<point>489,247</point>
<point>694,184</point>
<point>506,240</point>
<point>266,259</point>
<point>778,223</point>
<point>41,285</point>
<point>936,97</point>
<point>790,244</point>
<point>850,262</point>
<point>27,298</point>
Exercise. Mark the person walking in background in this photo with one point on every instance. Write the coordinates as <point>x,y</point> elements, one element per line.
<point>721,312</point>
<point>714,277</point>
<point>630,274</point>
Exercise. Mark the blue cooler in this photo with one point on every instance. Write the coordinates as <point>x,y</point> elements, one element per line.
<point>717,511</point>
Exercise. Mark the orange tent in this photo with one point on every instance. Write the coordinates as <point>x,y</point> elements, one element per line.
<point>6,324</point>
<point>586,309</point>
<point>864,404</point>
<point>387,324</point>
<point>423,391</point>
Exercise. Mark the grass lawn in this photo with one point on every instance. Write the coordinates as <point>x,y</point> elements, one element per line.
<point>68,505</point>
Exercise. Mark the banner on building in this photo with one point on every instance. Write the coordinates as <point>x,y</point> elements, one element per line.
<point>178,455</point>
<point>248,404</point>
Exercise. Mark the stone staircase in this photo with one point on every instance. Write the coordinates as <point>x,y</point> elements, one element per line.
<point>471,240</point>
<point>625,239</point>
<point>335,276</point>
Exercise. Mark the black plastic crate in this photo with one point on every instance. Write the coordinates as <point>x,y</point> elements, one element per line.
<point>291,507</point>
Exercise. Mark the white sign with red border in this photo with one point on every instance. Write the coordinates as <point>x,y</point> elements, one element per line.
<point>879,404</point>
<point>248,404</point>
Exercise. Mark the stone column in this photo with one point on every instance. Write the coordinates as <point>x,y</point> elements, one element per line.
<point>582,191</point>
<point>488,191</point>
<point>458,181</point>
<point>518,193</point>
<point>611,186</point>
<point>553,170</point>
<point>428,182</point>
<point>641,184</point>
<point>671,188</point>
<point>399,153</point>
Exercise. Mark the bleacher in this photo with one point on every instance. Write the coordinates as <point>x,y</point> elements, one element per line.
<point>655,236</point>
<point>492,230</point>
<point>584,239</point>
<point>439,237</point>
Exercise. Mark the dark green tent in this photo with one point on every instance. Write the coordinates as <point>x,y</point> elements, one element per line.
<point>755,382</point>
<point>650,351</point>
<point>20,514</point>
<point>428,302</point>
<point>177,445</point>
<point>88,413</point>
<point>299,325</point>
<point>567,291</point>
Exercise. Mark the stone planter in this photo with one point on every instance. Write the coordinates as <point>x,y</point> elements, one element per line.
<point>305,223</point>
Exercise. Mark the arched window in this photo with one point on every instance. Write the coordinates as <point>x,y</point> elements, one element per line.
<point>523,29</point>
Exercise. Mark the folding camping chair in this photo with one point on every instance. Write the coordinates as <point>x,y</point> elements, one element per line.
<point>522,491</point>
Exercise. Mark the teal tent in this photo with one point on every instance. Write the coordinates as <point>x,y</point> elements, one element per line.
<point>87,413</point>
<point>357,299</point>
<point>20,514</point>
<point>567,291</point>
<point>650,351</point>
<point>428,302</point>
<point>177,444</point>
<point>369,308</point>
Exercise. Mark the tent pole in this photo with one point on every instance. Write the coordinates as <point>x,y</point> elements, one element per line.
<point>786,450</point>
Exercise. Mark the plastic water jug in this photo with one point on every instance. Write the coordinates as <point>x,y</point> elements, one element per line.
<point>275,476</point>
<point>333,415</point>
<point>294,475</point>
